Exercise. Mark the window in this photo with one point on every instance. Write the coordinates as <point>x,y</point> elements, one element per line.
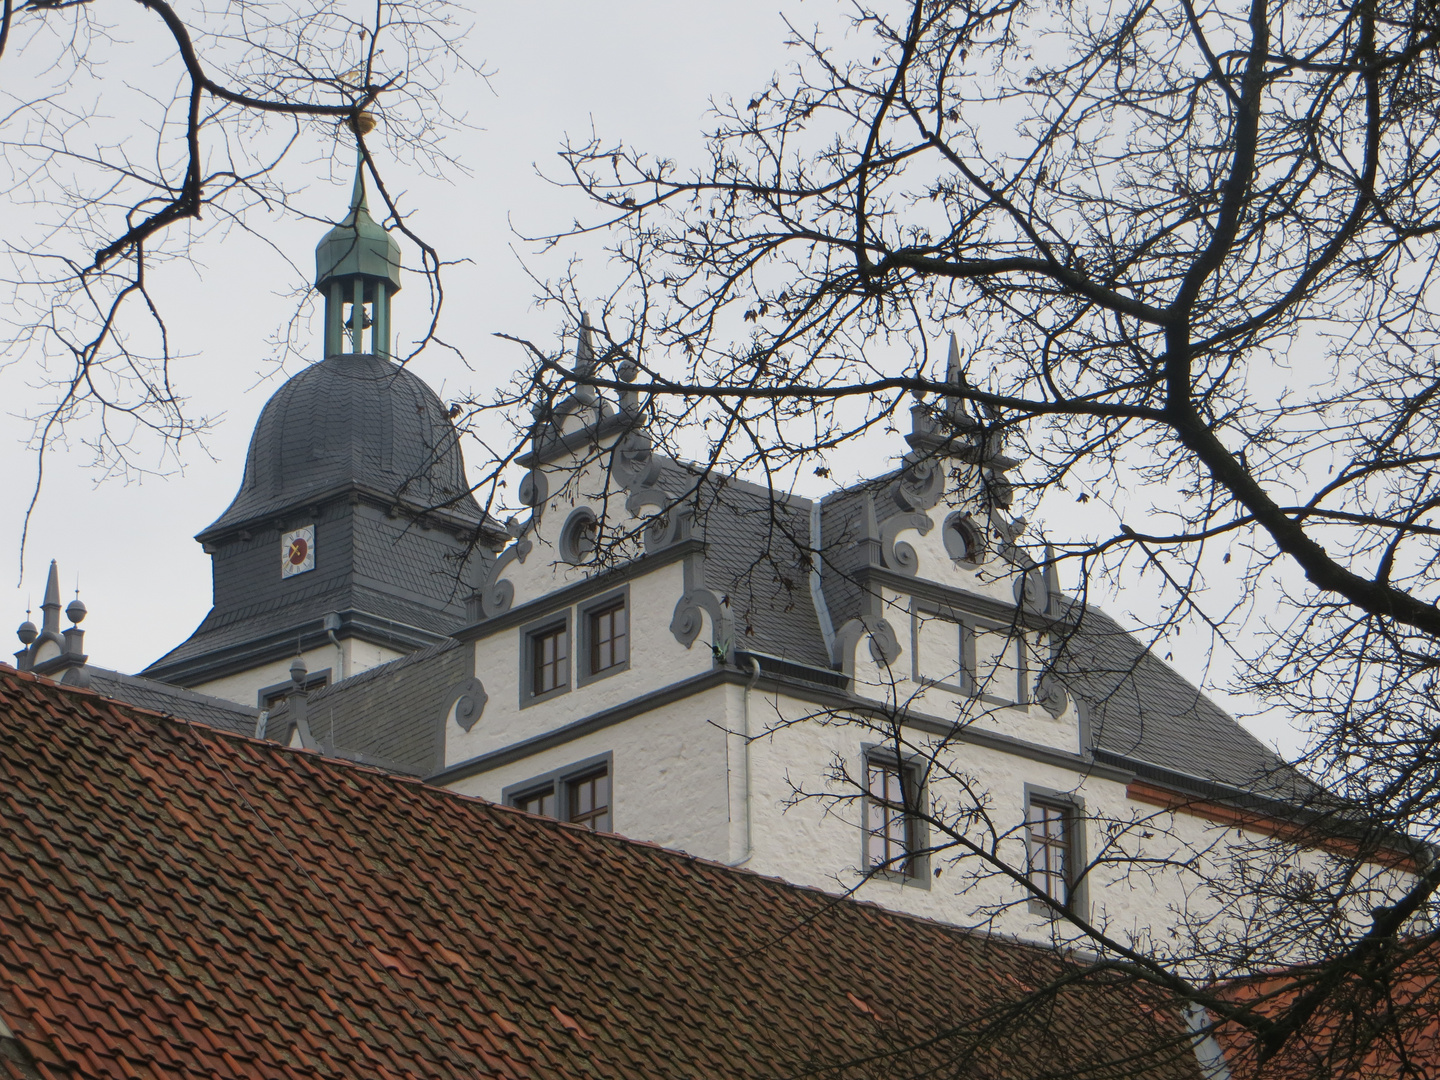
<point>537,801</point>
<point>579,792</point>
<point>1053,838</point>
<point>608,638</point>
<point>892,830</point>
<point>603,626</point>
<point>549,660</point>
<point>589,800</point>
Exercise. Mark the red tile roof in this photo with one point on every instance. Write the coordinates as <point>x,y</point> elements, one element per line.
<point>176,901</point>
<point>1379,1020</point>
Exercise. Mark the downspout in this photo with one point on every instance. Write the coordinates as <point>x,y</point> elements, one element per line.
<point>745,732</point>
<point>1207,1048</point>
<point>332,623</point>
<point>817,590</point>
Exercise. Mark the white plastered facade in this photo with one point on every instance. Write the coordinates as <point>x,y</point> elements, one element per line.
<point>963,685</point>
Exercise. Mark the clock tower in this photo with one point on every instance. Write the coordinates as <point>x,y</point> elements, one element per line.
<point>354,535</point>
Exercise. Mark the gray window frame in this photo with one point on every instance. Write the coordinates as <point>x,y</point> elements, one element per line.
<point>528,633</point>
<point>968,623</point>
<point>583,611</point>
<point>921,610</point>
<point>558,781</point>
<point>1077,894</point>
<point>911,768</point>
<point>314,680</point>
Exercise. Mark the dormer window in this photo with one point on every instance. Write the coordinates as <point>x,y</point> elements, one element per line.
<point>607,637</point>
<point>550,667</point>
<point>603,624</point>
<point>545,658</point>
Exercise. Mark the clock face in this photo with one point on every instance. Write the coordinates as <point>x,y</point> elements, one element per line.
<point>297,551</point>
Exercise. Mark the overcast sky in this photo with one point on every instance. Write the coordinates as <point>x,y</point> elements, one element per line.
<point>641,69</point>
<point>644,70</point>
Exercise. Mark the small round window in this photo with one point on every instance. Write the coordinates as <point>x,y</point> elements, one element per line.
<point>577,538</point>
<point>964,539</point>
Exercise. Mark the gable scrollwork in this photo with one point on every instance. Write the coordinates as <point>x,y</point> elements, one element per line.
<point>687,622</point>
<point>496,596</point>
<point>920,484</point>
<point>633,464</point>
<point>884,643</point>
<point>468,700</point>
<point>900,556</point>
<point>534,488</point>
<point>1050,695</point>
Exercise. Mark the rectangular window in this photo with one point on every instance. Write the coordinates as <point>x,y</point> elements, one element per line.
<point>549,653</point>
<point>589,799</point>
<point>1051,838</point>
<point>537,801</point>
<point>609,646</point>
<point>890,825</point>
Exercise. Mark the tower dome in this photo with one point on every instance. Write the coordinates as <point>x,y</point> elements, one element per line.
<point>352,420</point>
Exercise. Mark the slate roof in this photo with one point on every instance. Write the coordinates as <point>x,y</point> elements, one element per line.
<point>392,716</point>
<point>179,902</point>
<point>165,698</point>
<point>233,629</point>
<point>350,419</point>
<point>1142,712</point>
<point>754,559</point>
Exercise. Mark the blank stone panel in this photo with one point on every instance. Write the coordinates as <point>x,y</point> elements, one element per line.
<point>997,663</point>
<point>938,650</point>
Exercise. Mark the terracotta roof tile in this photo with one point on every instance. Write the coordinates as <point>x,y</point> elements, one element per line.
<point>178,901</point>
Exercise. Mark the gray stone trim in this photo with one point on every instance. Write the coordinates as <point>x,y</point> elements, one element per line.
<point>884,642</point>
<point>572,594</point>
<point>912,774</point>
<point>574,546</point>
<point>900,556</point>
<point>314,680</point>
<point>1077,892</point>
<point>557,780</point>
<point>583,675</point>
<point>469,700</point>
<point>959,529</point>
<point>559,446</point>
<point>528,632</point>
<point>961,600</point>
<point>685,622</point>
<point>815,695</point>
<point>496,596</point>
<point>968,624</point>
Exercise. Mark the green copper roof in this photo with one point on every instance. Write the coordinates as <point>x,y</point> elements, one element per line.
<point>358,245</point>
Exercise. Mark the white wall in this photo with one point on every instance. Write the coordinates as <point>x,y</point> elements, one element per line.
<point>656,660</point>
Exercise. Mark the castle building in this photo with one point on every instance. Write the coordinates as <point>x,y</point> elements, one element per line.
<point>882,690</point>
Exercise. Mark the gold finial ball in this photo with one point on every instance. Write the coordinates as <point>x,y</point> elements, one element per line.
<point>363,122</point>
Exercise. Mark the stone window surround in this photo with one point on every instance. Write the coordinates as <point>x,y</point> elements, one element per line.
<point>528,634</point>
<point>582,632</point>
<point>557,780</point>
<point>967,623</point>
<point>911,768</point>
<point>577,626</point>
<point>1077,898</point>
